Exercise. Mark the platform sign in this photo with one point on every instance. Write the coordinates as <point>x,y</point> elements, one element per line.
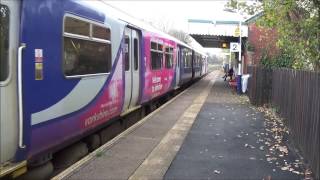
<point>234,47</point>
<point>237,32</point>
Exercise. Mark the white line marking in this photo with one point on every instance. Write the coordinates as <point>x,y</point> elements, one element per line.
<point>159,160</point>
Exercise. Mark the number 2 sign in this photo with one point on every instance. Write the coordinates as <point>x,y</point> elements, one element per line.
<point>234,47</point>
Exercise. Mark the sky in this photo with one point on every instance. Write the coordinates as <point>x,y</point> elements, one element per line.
<point>175,14</point>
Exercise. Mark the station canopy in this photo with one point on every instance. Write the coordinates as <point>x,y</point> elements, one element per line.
<point>216,34</point>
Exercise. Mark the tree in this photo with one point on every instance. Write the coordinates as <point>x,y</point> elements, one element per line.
<point>244,7</point>
<point>298,26</point>
<point>181,35</point>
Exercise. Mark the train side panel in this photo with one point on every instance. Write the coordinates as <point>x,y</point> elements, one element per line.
<point>158,66</point>
<point>74,70</point>
<point>60,104</point>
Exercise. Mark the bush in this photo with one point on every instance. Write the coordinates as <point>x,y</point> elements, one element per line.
<point>283,60</point>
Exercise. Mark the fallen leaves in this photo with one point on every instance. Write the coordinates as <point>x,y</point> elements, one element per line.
<point>271,158</point>
<point>249,146</point>
<point>275,140</point>
<point>308,174</point>
<point>283,149</point>
<point>272,139</point>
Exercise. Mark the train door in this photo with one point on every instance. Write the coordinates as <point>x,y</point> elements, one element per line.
<point>9,42</point>
<point>132,68</point>
<point>177,67</point>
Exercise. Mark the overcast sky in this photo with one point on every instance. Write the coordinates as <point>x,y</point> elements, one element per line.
<point>175,14</point>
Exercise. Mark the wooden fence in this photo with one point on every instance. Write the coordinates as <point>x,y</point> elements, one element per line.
<point>259,85</point>
<point>296,96</point>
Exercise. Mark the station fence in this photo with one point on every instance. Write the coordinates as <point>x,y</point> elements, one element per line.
<point>295,95</point>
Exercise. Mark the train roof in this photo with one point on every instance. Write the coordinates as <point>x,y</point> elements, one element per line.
<point>117,14</point>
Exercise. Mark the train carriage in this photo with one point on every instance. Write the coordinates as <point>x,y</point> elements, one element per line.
<point>185,59</point>
<point>196,65</point>
<point>69,67</point>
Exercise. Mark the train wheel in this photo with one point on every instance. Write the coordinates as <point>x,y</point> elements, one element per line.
<point>42,172</point>
<point>93,142</point>
<point>111,131</point>
<point>68,156</point>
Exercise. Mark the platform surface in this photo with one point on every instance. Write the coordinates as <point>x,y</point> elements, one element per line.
<point>129,156</point>
<point>229,141</point>
<point>206,132</point>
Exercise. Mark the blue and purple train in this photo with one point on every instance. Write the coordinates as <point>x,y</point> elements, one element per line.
<point>69,67</point>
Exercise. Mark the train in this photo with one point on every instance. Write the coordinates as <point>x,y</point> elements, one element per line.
<point>70,67</point>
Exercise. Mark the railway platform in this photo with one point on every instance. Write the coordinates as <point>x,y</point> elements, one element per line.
<point>205,132</point>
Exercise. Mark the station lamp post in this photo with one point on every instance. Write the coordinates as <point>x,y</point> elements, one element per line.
<point>240,37</point>
<point>240,59</point>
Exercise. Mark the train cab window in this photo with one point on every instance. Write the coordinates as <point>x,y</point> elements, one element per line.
<point>4,42</point>
<point>156,56</point>
<point>84,54</point>
<point>126,53</point>
<point>136,53</point>
<point>169,57</point>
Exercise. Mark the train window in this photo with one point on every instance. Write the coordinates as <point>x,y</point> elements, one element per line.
<point>136,53</point>
<point>100,32</point>
<point>82,57</point>
<point>184,56</point>
<point>186,61</point>
<point>156,60</point>
<point>4,42</point>
<point>189,59</point>
<point>76,26</point>
<point>169,57</point>
<point>197,61</point>
<point>85,56</point>
<point>156,56</point>
<point>126,54</point>
<point>154,46</point>
<point>178,57</point>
